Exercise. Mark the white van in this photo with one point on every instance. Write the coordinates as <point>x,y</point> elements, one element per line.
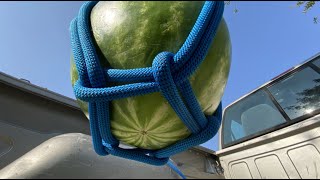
<point>274,131</point>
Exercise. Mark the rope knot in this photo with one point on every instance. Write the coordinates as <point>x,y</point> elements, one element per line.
<point>163,77</point>
<point>161,69</point>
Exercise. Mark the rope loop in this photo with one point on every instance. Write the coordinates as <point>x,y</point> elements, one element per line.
<point>169,75</point>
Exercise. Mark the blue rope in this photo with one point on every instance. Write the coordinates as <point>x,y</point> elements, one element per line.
<point>176,169</point>
<point>169,75</point>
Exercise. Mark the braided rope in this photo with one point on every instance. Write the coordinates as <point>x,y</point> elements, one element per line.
<point>168,75</point>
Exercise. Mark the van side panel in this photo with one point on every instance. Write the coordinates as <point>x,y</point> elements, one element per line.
<point>291,152</point>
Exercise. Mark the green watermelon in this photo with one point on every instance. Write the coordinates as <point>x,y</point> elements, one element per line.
<point>129,35</point>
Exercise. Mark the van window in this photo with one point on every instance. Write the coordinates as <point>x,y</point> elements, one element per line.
<point>251,115</point>
<point>298,94</point>
<point>292,97</point>
<point>317,62</point>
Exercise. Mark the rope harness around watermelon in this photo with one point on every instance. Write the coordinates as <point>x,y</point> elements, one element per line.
<point>169,75</point>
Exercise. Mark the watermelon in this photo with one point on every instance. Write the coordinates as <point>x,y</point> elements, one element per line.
<point>129,35</point>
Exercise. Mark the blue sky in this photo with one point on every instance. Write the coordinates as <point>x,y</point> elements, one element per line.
<point>267,39</point>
